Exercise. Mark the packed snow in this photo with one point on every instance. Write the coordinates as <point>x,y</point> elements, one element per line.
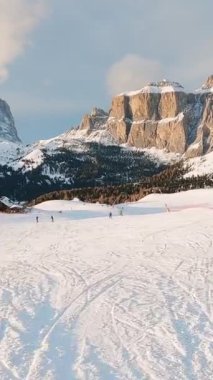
<point>90,297</point>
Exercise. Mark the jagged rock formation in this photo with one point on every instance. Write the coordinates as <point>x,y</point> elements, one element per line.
<point>162,115</point>
<point>93,121</point>
<point>8,131</point>
<point>209,83</point>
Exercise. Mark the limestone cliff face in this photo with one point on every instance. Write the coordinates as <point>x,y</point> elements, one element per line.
<point>172,135</point>
<point>171,104</point>
<point>144,106</point>
<point>207,116</point>
<point>151,117</point>
<point>153,102</point>
<point>163,115</point>
<point>207,125</point>
<point>120,107</point>
<point>169,135</point>
<point>160,115</point>
<point>142,134</point>
<point>119,129</point>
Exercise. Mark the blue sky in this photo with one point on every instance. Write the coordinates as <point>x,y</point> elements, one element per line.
<point>62,58</point>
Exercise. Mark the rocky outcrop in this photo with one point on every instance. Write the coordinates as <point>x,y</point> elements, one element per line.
<point>201,121</point>
<point>163,115</point>
<point>171,104</point>
<point>119,129</point>
<point>206,125</point>
<point>8,131</point>
<point>120,107</point>
<point>142,134</point>
<point>93,121</point>
<point>209,83</point>
<point>171,135</point>
<point>152,116</point>
<point>168,135</point>
<point>144,106</point>
<point>153,102</point>
<point>160,115</point>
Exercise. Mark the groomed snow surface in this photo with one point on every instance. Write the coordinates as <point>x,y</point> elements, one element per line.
<point>88,297</point>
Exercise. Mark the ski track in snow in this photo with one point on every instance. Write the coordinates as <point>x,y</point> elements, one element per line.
<point>129,298</point>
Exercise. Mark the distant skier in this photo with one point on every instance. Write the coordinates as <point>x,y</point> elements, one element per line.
<point>110,215</point>
<point>121,212</point>
<point>36,219</point>
<point>52,218</point>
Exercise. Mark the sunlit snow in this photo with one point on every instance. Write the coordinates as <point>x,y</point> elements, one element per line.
<point>93,297</point>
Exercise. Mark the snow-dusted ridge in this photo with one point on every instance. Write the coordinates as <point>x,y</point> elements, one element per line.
<point>10,151</point>
<point>156,88</point>
<point>204,90</point>
<point>123,127</point>
<point>31,161</point>
<point>207,87</point>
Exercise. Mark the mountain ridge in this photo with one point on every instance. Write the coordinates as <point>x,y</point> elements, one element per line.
<point>144,132</point>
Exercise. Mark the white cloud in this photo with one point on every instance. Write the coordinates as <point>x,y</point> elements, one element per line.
<point>132,72</point>
<point>17,19</point>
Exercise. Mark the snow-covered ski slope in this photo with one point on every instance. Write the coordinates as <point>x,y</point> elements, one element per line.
<point>88,297</point>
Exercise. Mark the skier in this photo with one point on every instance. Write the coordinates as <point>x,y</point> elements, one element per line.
<point>121,212</point>
<point>110,215</point>
<point>36,219</point>
<point>52,219</point>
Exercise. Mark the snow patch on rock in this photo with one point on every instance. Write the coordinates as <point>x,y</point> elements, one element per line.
<point>156,88</point>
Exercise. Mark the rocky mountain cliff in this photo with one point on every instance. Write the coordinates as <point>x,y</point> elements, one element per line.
<point>144,132</point>
<point>8,131</point>
<point>161,114</point>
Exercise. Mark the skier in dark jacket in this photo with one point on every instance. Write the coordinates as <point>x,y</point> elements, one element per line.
<point>52,219</point>
<point>36,219</point>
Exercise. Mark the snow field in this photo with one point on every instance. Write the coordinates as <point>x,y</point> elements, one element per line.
<point>88,297</point>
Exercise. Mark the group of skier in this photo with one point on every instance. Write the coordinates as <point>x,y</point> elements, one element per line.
<point>120,213</point>
<point>110,216</point>
<point>51,218</point>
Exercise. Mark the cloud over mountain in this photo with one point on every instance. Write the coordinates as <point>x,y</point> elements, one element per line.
<point>18,18</point>
<point>132,72</point>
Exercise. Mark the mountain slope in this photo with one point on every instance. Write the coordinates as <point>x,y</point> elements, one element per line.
<point>114,147</point>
